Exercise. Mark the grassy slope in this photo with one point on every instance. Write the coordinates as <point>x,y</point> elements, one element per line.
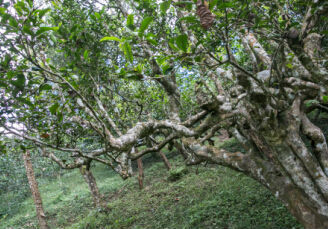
<point>216,197</point>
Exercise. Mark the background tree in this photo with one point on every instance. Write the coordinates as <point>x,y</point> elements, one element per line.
<point>35,190</point>
<point>14,185</point>
<point>121,72</point>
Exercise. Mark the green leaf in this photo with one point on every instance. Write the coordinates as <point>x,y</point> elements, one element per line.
<point>152,41</point>
<point>185,4</point>
<point>60,116</point>
<point>22,147</point>
<point>45,29</point>
<point>165,6</point>
<point>144,25</point>
<point>97,15</point>
<point>26,101</point>
<point>5,17</point>
<point>172,44</point>
<point>3,85</point>
<point>27,29</point>
<point>45,87</point>
<point>2,10</point>
<point>13,22</point>
<point>55,5</point>
<point>289,65</point>
<point>18,10</point>
<point>53,38</point>
<point>325,98</point>
<point>110,39</point>
<point>224,5</point>
<point>212,4</point>
<point>127,51</point>
<point>75,85</point>
<point>191,19</point>
<point>30,3</point>
<point>43,12</point>
<point>182,42</point>
<point>19,82</point>
<point>311,102</point>
<point>139,68</point>
<point>166,68</point>
<point>20,5</point>
<point>53,109</point>
<point>130,22</point>
<point>86,54</point>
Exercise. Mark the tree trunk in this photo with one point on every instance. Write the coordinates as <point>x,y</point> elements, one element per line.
<point>303,210</point>
<point>303,191</point>
<point>141,174</point>
<point>91,181</point>
<point>290,182</point>
<point>165,160</point>
<point>277,157</point>
<point>35,191</point>
<point>304,167</point>
<point>284,176</point>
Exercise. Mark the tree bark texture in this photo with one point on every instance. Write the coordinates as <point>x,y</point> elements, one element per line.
<point>35,191</point>
<point>165,160</point>
<point>278,158</point>
<point>92,184</point>
<point>141,173</point>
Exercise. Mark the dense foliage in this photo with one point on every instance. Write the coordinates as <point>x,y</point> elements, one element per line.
<point>95,80</point>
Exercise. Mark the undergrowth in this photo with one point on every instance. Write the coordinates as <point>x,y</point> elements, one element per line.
<point>197,197</point>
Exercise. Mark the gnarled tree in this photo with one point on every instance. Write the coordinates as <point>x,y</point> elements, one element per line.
<point>119,73</point>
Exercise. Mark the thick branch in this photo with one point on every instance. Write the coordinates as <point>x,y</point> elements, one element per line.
<point>259,51</point>
<point>236,161</point>
<point>319,141</point>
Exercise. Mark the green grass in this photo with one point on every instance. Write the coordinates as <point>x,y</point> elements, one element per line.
<point>212,197</point>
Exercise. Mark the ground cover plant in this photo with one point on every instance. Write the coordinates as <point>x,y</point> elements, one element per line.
<point>216,198</point>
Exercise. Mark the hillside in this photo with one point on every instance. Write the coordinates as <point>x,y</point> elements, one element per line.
<point>200,197</point>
